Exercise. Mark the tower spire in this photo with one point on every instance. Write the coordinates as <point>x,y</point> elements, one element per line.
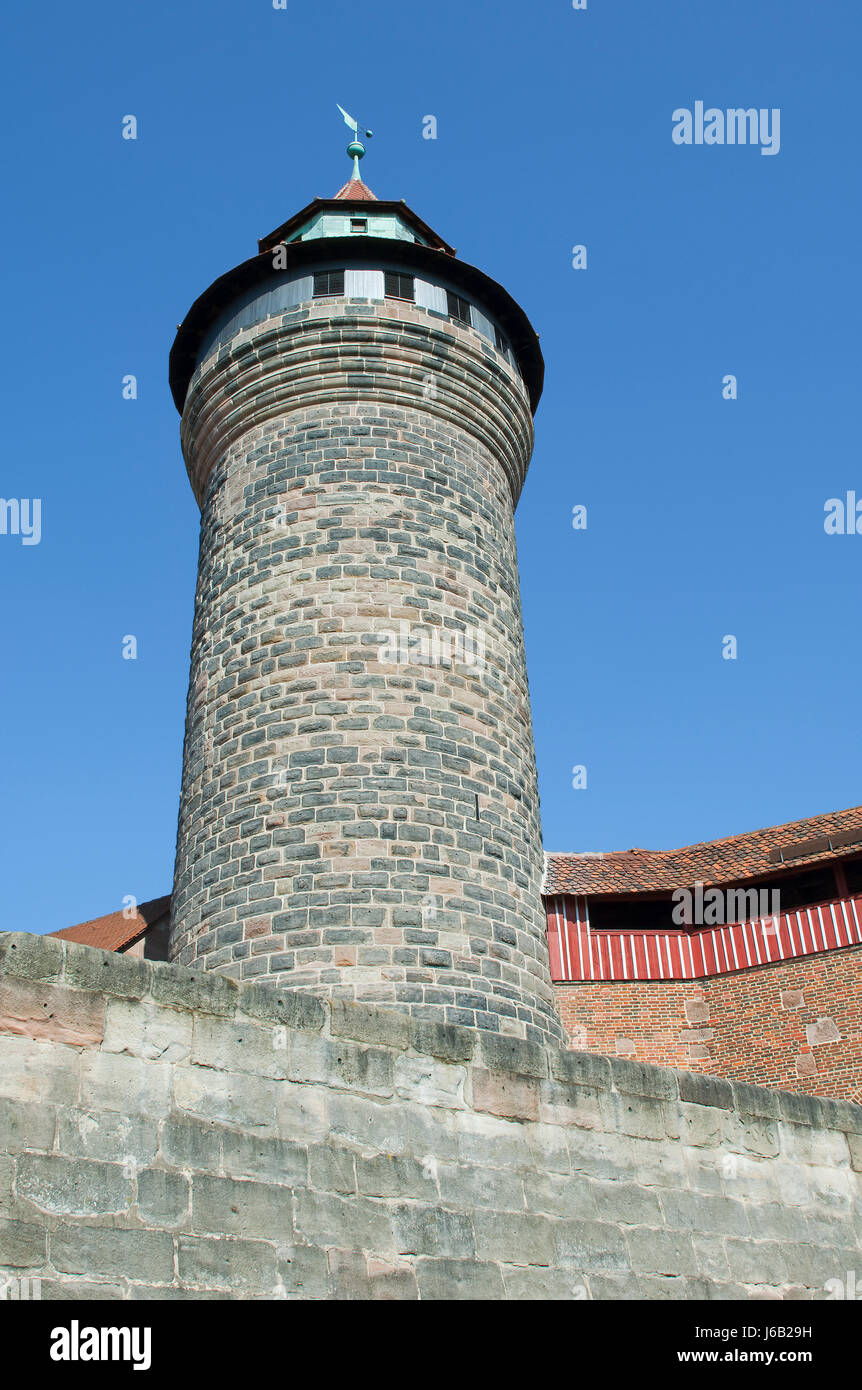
<point>356,149</point>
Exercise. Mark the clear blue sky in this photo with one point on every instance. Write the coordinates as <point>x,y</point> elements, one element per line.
<point>554,129</point>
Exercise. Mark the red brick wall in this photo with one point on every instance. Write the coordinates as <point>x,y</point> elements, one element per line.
<point>749,1026</point>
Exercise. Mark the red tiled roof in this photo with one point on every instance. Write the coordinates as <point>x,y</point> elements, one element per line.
<point>733,859</point>
<point>114,932</point>
<point>355,188</point>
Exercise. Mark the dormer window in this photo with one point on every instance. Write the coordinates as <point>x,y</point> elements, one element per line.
<point>459,309</point>
<point>359,224</point>
<point>398,286</point>
<point>328,282</point>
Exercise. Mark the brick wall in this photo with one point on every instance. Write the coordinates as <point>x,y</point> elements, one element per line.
<point>170,1134</point>
<point>795,1025</point>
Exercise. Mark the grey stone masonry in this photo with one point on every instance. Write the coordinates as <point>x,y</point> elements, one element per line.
<point>359,811</point>
<point>198,1137</point>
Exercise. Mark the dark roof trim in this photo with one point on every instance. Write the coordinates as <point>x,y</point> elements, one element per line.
<point>298,254</point>
<point>364,207</point>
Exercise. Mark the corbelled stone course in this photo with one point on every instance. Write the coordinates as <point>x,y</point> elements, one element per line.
<point>205,1148</point>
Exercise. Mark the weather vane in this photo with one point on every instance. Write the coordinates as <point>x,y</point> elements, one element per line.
<point>355,149</point>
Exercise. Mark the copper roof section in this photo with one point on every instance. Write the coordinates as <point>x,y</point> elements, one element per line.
<point>734,859</point>
<point>116,932</point>
<point>345,200</point>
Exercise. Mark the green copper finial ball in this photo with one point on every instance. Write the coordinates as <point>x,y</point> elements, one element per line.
<point>355,149</point>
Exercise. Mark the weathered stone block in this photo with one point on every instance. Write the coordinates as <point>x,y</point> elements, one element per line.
<point>423,1230</point>
<point>147,1256</point>
<point>428,1082</point>
<point>465,1188</point>
<point>73,1187</point>
<point>301,1113</point>
<point>286,1008</point>
<point>331,1169</point>
<point>705,1090</point>
<point>257,1156</point>
<point>582,1069</point>
<point>639,1116</point>
<point>445,1041</point>
<point>239,1047</point>
<point>792,998</point>
<point>353,1223</point>
<point>396,1175</point>
<point>191,1144</point>
<point>362,1277</point>
<point>626,1203</point>
<point>36,1073</point>
<point>23,1245</point>
<point>747,1134</point>
<point>106,972</point>
<point>695,1211</point>
<point>824,1031</point>
<point>803,1144</point>
<point>342,1063</point>
<point>163,1198</point>
<point>638,1079</point>
<point>25,1126</point>
<point>231,1098</point>
<point>222,1206</point>
<point>146,1030</point>
<point>198,990</point>
<point>502,1054</point>
<point>303,1272</point>
<point>661,1252</point>
<point>382,1027</point>
<point>127,1139</point>
<point>696,1011</point>
<point>126,1084</point>
<point>505,1093</point>
<point>589,1246</point>
<point>700,1125</point>
<point>514,1237</point>
<point>561,1104</point>
<point>34,1009</point>
<point>756,1262</point>
<point>453,1280</point>
<point>487,1141</point>
<point>541,1285</point>
<point>570,1196</point>
<point>226,1263</point>
<point>31,957</point>
<point>755,1100</point>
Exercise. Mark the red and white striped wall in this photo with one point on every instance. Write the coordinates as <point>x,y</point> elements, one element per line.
<point>690,953</point>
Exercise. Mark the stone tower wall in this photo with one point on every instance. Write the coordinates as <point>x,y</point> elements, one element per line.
<point>351,823</point>
<point>168,1134</point>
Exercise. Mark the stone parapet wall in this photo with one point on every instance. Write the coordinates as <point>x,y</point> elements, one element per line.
<point>176,1134</point>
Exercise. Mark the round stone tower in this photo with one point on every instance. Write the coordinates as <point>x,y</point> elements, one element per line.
<point>359,812</point>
